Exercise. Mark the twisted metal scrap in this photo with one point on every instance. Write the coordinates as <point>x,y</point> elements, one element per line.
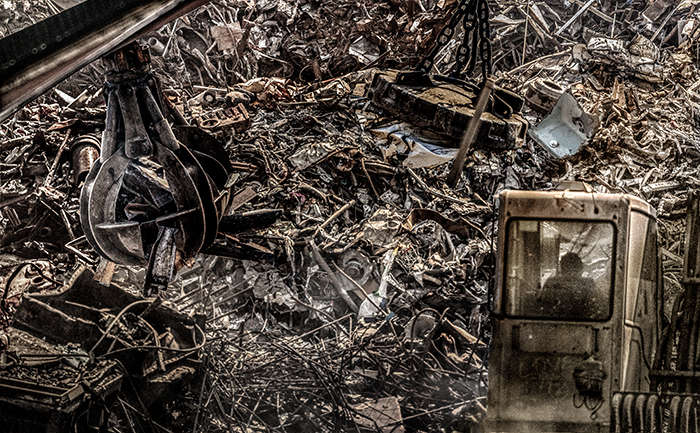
<point>261,381</point>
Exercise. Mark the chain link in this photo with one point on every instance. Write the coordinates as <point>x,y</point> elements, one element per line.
<point>471,26</point>
<point>474,16</point>
<point>485,39</point>
<point>443,37</point>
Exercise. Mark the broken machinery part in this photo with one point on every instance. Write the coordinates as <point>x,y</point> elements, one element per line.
<point>85,151</point>
<point>50,383</point>
<point>566,129</point>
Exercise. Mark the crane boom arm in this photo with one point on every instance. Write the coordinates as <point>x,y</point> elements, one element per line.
<point>38,57</point>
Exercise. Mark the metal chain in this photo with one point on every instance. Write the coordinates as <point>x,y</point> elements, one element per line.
<point>471,25</point>
<point>485,39</point>
<point>474,15</point>
<point>446,33</point>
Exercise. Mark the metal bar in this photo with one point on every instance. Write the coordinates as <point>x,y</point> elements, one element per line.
<point>471,133</point>
<point>674,373</point>
<point>665,21</point>
<point>32,387</point>
<point>575,17</point>
<point>596,12</point>
<point>44,72</point>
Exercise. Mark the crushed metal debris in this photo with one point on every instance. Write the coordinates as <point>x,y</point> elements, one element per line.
<point>349,287</point>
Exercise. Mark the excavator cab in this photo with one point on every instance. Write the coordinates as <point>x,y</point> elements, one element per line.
<point>577,309</point>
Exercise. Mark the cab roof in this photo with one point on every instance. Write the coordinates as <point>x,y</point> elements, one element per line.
<point>570,204</point>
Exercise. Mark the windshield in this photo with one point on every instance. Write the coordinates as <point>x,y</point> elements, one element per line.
<point>559,269</point>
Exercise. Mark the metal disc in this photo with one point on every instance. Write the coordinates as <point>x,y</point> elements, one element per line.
<point>102,209</point>
<point>206,193</point>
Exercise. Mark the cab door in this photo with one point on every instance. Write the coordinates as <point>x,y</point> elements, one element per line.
<point>643,303</point>
<point>540,340</point>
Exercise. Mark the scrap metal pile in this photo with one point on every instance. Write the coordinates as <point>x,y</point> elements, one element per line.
<point>348,288</point>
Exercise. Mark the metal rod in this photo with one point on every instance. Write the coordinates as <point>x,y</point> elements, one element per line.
<point>575,17</point>
<point>471,133</point>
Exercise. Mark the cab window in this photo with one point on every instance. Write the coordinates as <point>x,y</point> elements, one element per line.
<point>641,294</point>
<point>558,269</point>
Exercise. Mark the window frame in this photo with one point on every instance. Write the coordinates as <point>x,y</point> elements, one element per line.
<point>659,297</point>
<point>504,289</point>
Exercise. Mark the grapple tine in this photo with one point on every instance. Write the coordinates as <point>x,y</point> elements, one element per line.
<point>616,414</point>
<point>653,414</point>
<point>628,413</point>
<point>687,415</point>
<point>639,418</point>
<point>675,407</point>
<point>101,199</point>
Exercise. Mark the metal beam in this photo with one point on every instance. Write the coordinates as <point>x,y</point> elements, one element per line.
<point>45,71</point>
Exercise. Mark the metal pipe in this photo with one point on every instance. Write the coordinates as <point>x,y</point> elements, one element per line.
<point>85,152</point>
<point>156,46</point>
<point>575,17</point>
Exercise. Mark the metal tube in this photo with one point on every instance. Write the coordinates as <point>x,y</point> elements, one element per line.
<point>84,156</point>
<point>575,17</point>
<point>156,46</point>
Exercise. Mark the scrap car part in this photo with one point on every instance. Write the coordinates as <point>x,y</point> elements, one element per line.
<point>445,105</point>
